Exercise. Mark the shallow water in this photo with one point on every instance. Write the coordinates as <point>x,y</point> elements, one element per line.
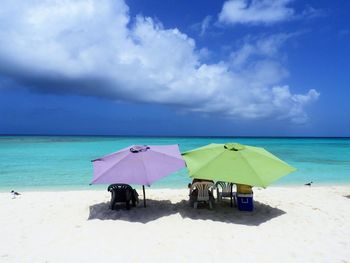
<point>62,162</point>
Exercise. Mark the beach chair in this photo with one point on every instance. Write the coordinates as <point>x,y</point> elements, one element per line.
<point>201,192</point>
<point>223,190</point>
<point>122,193</point>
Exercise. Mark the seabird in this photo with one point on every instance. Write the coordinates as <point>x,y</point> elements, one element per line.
<point>14,194</point>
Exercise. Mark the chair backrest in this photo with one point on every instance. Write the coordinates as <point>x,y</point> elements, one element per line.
<point>121,192</point>
<point>226,187</point>
<point>203,189</point>
<point>119,187</point>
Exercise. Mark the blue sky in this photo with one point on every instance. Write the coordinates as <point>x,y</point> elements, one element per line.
<point>199,68</point>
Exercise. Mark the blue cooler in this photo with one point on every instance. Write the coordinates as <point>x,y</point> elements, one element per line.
<point>245,202</point>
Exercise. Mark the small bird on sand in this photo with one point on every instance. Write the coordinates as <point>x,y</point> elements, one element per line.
<point>14,194</point>
<point>309,184</point>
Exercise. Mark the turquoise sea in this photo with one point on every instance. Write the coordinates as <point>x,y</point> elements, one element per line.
<point>62,162</point>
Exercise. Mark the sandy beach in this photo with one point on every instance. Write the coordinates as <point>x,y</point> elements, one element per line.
<point>289,224</point>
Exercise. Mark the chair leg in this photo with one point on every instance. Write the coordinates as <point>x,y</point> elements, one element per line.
<point>127,205</point>
<point>210,205</point>
<point>133,200</point>
<point>195,205</point>
<point>112,202</point>
<point>192,200</point>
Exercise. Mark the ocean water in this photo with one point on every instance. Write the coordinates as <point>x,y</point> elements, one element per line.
<point>62,162</point>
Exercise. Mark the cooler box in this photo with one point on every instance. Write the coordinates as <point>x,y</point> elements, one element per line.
<point>245,202</point>
<point>244,189</point>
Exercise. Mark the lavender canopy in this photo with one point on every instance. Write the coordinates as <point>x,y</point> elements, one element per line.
<point>138,165</point>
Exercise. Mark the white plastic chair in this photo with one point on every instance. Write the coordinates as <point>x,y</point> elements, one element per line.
<point>225,191</point>
<point>204,193</point>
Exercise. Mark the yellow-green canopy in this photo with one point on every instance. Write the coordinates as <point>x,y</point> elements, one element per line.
<point>236,163</point>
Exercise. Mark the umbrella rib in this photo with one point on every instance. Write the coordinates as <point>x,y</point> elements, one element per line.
<point>256,174</point>
<point>108,155</point>
<point>165,154</point>
<point>104,173</point>
<point>144,166</point>
<point>293,169</point>
<point>276,159</point>
<point>203,148</point>
<point>207,163</point>
<point>169,156</point>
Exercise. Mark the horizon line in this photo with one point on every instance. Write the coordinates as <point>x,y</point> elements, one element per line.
<point>177,136</point>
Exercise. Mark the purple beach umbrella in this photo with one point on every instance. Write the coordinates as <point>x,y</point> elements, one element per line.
<point>141,165</point>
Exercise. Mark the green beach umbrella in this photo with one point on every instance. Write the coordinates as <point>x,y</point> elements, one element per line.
<point>235,163</point>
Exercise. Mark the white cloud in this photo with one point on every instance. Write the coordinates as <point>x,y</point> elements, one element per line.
<point>255,11</point>
<point>260,48</point>
<point>91,47</point>
<point>310,12</point>
<point>205,24</point>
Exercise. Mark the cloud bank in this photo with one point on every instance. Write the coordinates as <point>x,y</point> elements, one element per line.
<point>255,11</point>
<point>92,47</point>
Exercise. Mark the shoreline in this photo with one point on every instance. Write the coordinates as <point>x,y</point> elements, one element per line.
<point>103,188</point>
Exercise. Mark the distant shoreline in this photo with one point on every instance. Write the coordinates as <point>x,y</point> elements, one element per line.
<point>175,136</point>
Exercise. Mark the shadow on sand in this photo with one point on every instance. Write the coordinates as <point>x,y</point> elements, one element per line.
<point>154,210</point>
<point>222,212</point>
<point>347,196</point>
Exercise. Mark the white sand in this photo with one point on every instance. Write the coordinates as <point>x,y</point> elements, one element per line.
<point>306,224</point>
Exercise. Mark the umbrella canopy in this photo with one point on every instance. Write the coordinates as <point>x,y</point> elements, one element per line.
<point>236,163</point>
<point>141,165</point>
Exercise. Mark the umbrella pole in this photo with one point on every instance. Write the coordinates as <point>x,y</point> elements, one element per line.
<point>231,194</point>
<point>144,196</point>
